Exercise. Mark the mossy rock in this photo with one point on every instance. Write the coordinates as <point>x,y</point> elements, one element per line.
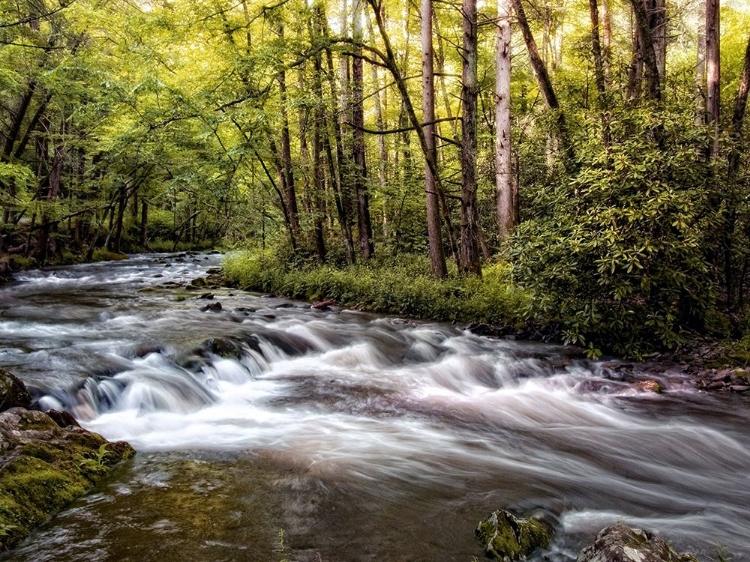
<point>44,467</point>
<point>620,543</point>
<point>508,538</point>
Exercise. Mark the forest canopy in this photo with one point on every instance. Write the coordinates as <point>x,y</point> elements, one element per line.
<point>594,152</point>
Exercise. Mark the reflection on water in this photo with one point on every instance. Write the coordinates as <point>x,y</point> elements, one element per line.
<point>270,430</point>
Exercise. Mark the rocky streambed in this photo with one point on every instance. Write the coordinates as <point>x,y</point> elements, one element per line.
<point>268,429</point>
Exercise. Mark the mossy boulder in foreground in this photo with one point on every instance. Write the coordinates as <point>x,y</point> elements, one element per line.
<point>43,467</point>
<point>620,543</point>
<point>507,538</point>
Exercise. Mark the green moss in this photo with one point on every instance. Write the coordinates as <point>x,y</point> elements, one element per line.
<point>42,475</point>
<point>506,537</point>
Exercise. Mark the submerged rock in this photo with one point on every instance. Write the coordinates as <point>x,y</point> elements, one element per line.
<point>43,467</point>
<point>508,538</point>
<point>620,543</point>
<point>13,393</point>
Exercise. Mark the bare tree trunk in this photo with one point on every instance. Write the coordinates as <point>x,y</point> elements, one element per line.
<point>713,72</point>
<point>606,37</point>
<point>469,251</point>
<point>657,12</point>
<point>144,223</point>
<point>335,164</point>
<point>700,68</point>
<point>738,116</point>
<point>601,85</point>
<point>435,240</point>
<point>635,70</point>
<point>361,189</point>
<point>507,192</point>
<point>646,42</point>
<point>286,153</point>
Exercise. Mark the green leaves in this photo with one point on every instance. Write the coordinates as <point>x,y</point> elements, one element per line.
<point>622,259</point>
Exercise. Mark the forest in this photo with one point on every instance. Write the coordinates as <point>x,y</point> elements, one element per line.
<point>555,166</point>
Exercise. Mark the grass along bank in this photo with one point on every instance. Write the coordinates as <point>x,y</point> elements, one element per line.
<point>403,286</point>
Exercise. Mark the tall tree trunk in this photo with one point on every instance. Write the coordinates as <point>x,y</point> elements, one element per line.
<point>700,67</point>
<point>601,85</point>
<point>606,37</point>
<point>545,86</point>
<point>144,224</point>
<point>469,240</point>
<point>121,207</point>
<point>17,119</point>
<point>738,115</point>
<point>319,188</point>
<point>434,238</point>
<point>713,72</point>
<point>507,192</point>
<point>657,13</point>
<point>335,164</point>
<point>635,69</point>
<point>358,146</point>
<point>646,43</point>
<point>286,153</point>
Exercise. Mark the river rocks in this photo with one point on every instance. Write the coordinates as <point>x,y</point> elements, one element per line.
<point>620,543</point>
<point>507,538</point>
<point>13,393</point>
<point>199,282</point>
<point>43,467</point>
<point>649,386</point>
<point>213,307</point>
<point>728,380</point>
<point>324,305</point>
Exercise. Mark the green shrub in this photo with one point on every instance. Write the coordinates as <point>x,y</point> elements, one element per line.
<point>619,254</point>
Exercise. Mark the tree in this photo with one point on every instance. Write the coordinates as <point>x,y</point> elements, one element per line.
<point>437,256</point>
<point>507,190</point>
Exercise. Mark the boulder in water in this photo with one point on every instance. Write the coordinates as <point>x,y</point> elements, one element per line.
<point>324,305</point>
<point>507,538</point>
<point>199,282</point>
<point>213,307</point>
<point>13,393</point>
<point>620,543</point>
<point>43,467</point>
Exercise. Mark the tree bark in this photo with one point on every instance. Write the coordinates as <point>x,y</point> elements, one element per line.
<point>361,190</point>
<point>700,68</point>
<point>507,193</point>
<point>144,224</point>
<point>657,15</point>
<point>713,73</point>
<point>646,43</point>
<point>286,153</point>
<point>601,85</point>
<point>738,115</point>
<point>469,251</point>
<point>606,37</point>
<point>434,237</point>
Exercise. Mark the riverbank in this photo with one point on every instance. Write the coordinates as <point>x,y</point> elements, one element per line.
<point>492,306</point>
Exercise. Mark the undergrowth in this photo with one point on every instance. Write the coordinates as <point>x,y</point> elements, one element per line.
<point>402,286</point>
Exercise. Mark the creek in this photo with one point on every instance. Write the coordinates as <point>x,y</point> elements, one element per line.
<point>271,431</point>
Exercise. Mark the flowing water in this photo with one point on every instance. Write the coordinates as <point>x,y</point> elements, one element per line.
<point>270,431</point>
